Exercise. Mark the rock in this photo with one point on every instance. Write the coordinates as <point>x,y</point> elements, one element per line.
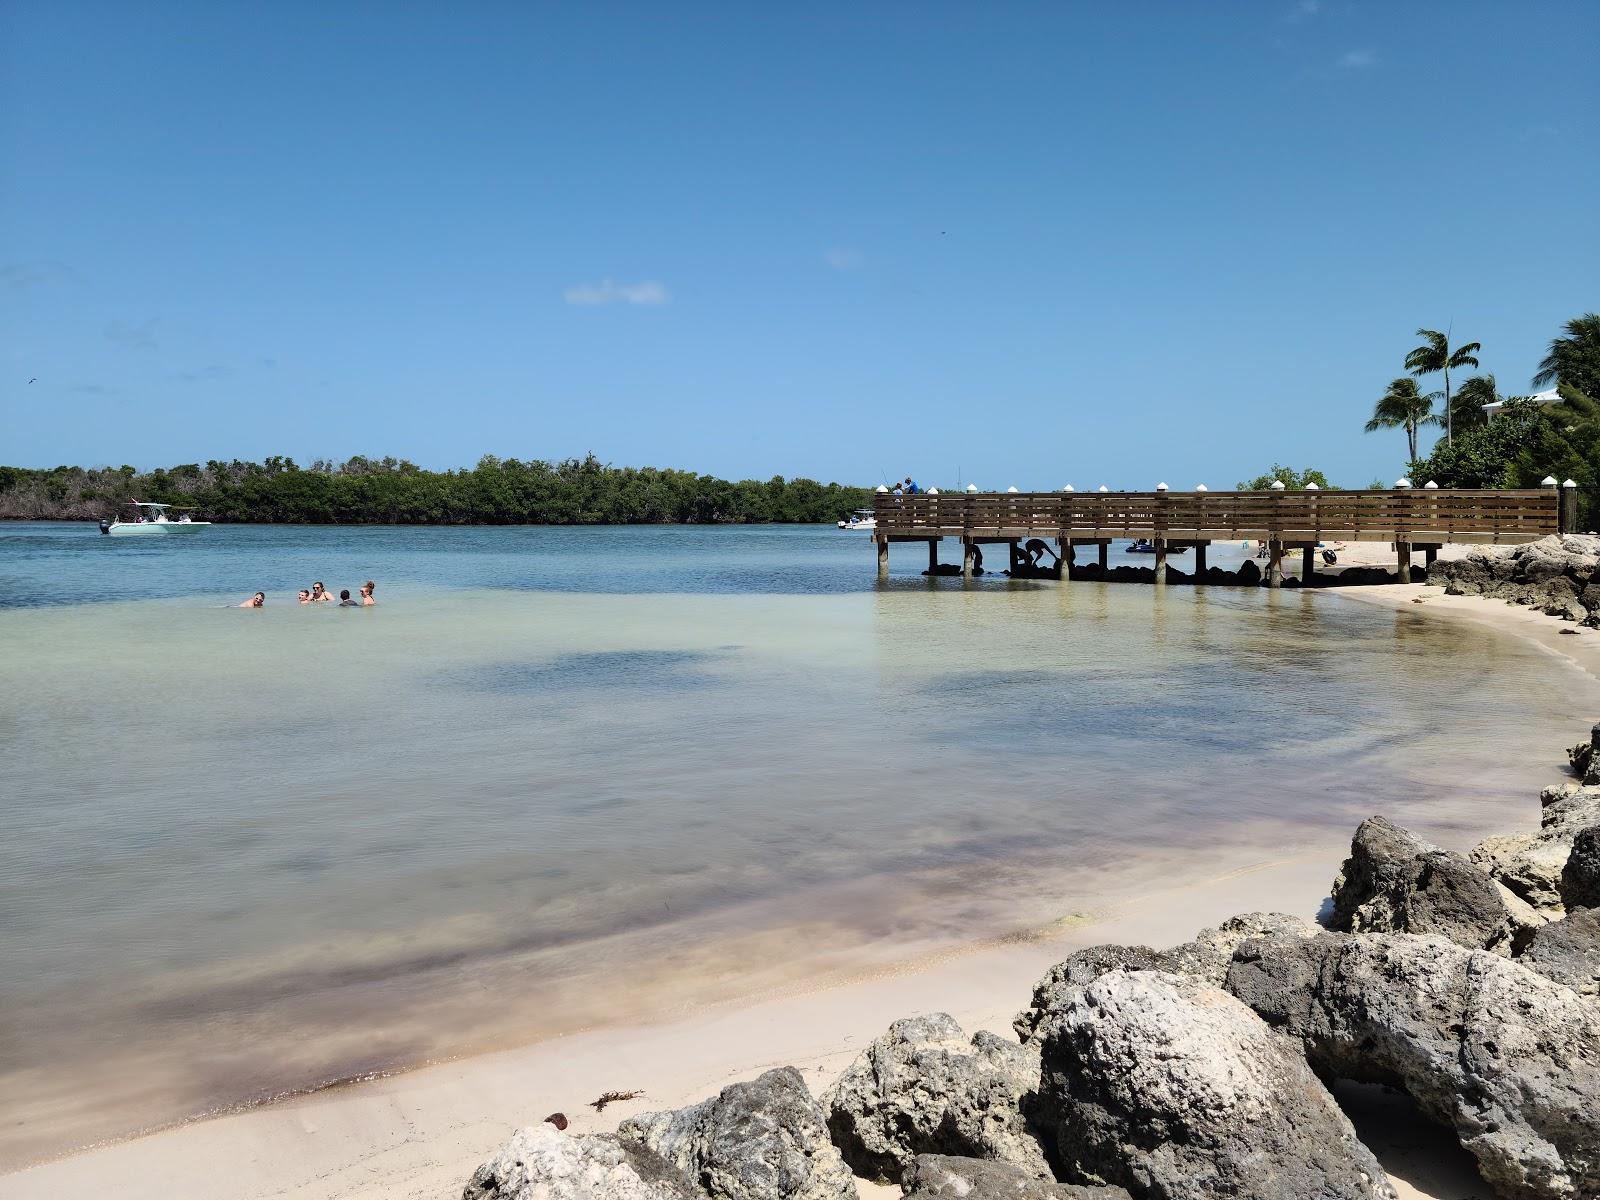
<point>1077,969</point>
<point>765,1139</point>
<point>977,1179</point>
<point>1394,882</point>
<point>1580,876</point>
<point>1209,954</point>
<point>1172,1088</point>
<point>1553,574</point>
<point>1485,1045</point>
<point>542,1163</point>
<point>923,1088</point>
<point>1568,951</point>
<point>1531,864</point>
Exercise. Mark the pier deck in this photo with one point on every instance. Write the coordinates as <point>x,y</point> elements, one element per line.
<point>1410,519</point>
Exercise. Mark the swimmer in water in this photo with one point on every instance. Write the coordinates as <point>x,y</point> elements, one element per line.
<point>305,596</point>
<point>367,589</point>
<point>345,601</point>
<point>320,593</point>
<point>257,601</point>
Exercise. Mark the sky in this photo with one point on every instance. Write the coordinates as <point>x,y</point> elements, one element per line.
<point>1012,244</point>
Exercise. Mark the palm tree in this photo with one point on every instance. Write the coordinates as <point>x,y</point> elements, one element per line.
<point>1403,407</point>
<point>1435,355</point>
<point>1575,359</point>
<point>1467,408</point>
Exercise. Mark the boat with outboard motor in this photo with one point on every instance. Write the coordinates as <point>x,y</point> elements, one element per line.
<point>152,521</point>
<point>863,519</point>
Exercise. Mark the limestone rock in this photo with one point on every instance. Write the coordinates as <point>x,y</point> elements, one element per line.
<point>1485,1045</point>
<point>924,1088</point>
<point>1531,864</point>
<point>542,1163</point>
<point>1170,1087</point>
<point>1393,881</point>
<point>765,1139</point>
<point>1079,968</point>
<point>1208,955</point>
<point>1580,875</point>
<point>936,1175</point>
<point>1568,951</point>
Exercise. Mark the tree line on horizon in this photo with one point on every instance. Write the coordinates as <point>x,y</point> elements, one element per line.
<point>390,491</point>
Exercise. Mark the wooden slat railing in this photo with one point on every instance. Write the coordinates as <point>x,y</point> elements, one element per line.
<point>1416,515</point>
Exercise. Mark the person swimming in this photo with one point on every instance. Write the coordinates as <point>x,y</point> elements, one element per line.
<point>259,600</point>
<point>345,601</point>
<point>367,589</point>
<point>305,596</point>
<point>320,593</point>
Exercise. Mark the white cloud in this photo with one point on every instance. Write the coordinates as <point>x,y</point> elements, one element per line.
<point>1357,60</point>
<point>608,291</point>
<point>841,259</point>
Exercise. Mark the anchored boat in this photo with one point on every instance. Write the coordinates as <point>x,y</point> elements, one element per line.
<point>861,518</point>
<point>152,521</point>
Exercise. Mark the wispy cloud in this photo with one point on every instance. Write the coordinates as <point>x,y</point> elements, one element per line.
<point>23,275</point>
<point>1358,60</point>
<point>842,259</point>
<point>141,336</point>
<point>1303,11</point>
<point>609,291</point>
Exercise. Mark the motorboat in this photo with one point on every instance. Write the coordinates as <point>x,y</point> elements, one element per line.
<point>152,520</point>
<point>863,519</point>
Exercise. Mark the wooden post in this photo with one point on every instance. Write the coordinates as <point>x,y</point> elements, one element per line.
<point>1200,561</point>
<point>1161,559</point>
<point>1065,546</point>
<point>1428,555</point>
<point>1274,563</point>
<point>1568,519</point>
<point>966,558</point>
<point>933,556</point>
<point>1403,550</point>
<point>883,557</point>
<point>1102,556</point>
<point>1308,569</point>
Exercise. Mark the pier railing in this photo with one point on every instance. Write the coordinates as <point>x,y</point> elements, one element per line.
<point>1404,515</point>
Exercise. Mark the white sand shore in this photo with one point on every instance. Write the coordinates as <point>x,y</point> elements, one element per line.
<point>420,1134</point>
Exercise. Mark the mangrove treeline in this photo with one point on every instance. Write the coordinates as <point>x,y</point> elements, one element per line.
<point>392,491</point>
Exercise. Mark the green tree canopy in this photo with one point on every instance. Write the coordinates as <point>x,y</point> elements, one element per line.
<point>1435,354</point>
<point>1574,358</point>
<point>1289,477</point>
<point>1403,406</point>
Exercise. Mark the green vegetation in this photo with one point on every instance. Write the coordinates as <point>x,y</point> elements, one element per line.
<point>1435,354</point>
<point>1404,407</point>
<point>1288,476</point>
<point>395,492</point>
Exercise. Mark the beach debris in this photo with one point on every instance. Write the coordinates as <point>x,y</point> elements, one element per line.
<point>612,1098</point>
<point>559,1120</point>
<point>1154,1080</point>
<point>765,1139</point>
<point>1483,1044</point>
<point>1570,632</point>
<point>1418,600</point>
<point>926,1088</point>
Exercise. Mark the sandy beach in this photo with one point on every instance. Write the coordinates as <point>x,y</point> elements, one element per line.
<point>419,1134</point>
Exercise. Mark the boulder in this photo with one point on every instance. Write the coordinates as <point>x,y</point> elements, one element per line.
<point>765,1139</point>
<point>924,1088</point>
<point>1568,951</point>
<point>1394,882</point>
<point>1582,756</point>
<point>936,1175</point>
<point>1531,864</point>
<point>1210,953</point>
<point>1488,1047</point>
<point>1171,1088</point>
<point>542,1163</point>
<point>1580,875</point>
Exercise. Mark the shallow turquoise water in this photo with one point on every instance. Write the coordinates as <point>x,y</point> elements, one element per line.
<point>564,776</point>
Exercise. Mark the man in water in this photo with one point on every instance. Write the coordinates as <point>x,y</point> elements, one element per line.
<point>256,601</point>
<point>305,596</point>
<point>346,602</point>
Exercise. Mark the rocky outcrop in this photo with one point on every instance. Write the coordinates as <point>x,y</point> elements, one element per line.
<point>924,1088</point>
<point>542,1163</point>
<point>1568,951</point>
<point>1171,1088</point>
<point>1552,574</point>
<point>765,1139</point>
<point>1210,953</point>
<point>1582,757</point>
<point>1580,875</point>
<point>936,1175</point>
<point>1531,864</point>
<point>1506,1057</point>
<point>1394,882</point>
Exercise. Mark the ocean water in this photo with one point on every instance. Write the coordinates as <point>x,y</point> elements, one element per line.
<point>560,777</point>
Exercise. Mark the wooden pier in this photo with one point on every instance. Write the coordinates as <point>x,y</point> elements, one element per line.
<point>1410,519</point>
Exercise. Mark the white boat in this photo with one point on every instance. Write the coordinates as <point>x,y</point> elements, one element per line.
<point>862,519</point>
<point>152,521</point>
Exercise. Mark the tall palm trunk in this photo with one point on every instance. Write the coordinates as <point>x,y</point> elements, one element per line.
<point>1411,437</point>
<point>1449,432</point>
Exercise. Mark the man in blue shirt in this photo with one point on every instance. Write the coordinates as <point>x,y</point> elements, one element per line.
<point>911,486</point>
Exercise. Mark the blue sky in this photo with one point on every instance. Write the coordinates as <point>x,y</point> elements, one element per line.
<point>1032,244</point>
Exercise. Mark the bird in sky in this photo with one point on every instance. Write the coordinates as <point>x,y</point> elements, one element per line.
<point>33,379</point>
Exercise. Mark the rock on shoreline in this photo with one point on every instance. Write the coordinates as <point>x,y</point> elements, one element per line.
<point>1554,574</point>
<point>1198,1072</point>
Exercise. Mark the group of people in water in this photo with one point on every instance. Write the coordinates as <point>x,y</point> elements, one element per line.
<point>317,594</point>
